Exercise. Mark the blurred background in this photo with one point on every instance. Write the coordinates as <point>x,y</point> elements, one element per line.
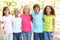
<point>20,4</point>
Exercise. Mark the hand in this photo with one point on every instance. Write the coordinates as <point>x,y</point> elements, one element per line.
<point>4,32</point>
<point>52,34</point>
<point>1,31</point>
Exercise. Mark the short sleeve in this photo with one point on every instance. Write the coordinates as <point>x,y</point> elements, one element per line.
<point>32,13</point>
<point>31,17</point>
<point>43,16</point>
<point>21,15</point>
<point>53,17</point>
<point>0,19</point>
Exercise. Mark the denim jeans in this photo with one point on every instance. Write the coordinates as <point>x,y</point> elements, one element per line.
<point>26,35</point>
<point>17,36</point>
<point>47,36</point>
<point>38,36</point>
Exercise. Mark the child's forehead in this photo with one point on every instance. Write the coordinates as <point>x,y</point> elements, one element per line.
<point>16,10</point>
<point>26,6</point>
<point>37,7</point>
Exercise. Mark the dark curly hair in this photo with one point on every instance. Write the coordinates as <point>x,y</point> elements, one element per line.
<point>52,10</point>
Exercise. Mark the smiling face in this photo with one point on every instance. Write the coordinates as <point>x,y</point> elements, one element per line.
<point>48,10</point>
<point>16,11</point>
<point>26,9</point>
<point>36,9</point>
<point>6,12</point>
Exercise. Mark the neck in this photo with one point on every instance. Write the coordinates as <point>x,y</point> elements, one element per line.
<point>36,12</point>
<point>6,15</point>
<point>48,14</point>
<point>16,16</point>
<point>26,13</point>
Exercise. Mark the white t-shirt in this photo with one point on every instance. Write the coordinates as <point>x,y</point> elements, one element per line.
<point>17,24</point>
<point>7,22</point>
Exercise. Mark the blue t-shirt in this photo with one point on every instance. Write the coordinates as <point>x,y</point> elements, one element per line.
<point>38,24</point>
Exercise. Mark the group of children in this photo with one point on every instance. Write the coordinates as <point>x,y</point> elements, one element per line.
<point>20,27</point>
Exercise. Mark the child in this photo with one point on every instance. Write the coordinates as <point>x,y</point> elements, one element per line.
<point>37,23</point>
<point>26,23</point>
<point>17,25</point>
<point>49,23</point>
<point>7,22</point>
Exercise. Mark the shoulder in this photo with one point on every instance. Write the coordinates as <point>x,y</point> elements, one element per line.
<point>53,16</point>
<point>10,15</point>
<point>20,18</point>
<point>32,13</point>
<point>41,12</point>
<point>44,16</point>
<point>13,17</point>
<point>21,15</point>
<point>2,18</point>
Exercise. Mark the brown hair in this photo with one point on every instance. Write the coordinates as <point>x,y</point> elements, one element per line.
<point>4,9</point>
<point>52,10</point>
<point>36,5</point>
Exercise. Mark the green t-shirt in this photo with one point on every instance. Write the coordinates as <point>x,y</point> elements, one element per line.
<point>48,23</point>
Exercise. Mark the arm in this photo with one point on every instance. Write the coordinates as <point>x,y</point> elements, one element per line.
<point>53,25</point>
<point>31,18</point>
<point>53,28</point>
<point>1,26</point>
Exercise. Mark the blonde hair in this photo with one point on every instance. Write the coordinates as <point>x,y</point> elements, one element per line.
<point>16,9</point>
<point>26,6</point>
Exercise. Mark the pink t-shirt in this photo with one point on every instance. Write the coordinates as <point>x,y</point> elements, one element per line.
<point>26,22</point>
<point>7,23</point>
